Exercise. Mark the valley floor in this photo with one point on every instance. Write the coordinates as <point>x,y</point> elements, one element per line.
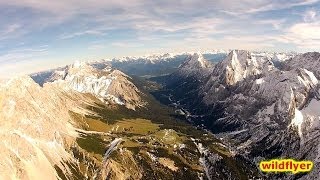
<point>151,143</point>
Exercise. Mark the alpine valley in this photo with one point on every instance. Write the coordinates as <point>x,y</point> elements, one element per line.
<point>204,115</point>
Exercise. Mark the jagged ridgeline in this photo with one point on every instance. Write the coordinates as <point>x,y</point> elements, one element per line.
<point>264,104</point>
<point>85,122</point>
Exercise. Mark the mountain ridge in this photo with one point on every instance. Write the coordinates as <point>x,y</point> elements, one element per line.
<point>259,105</point>
<point>264,108</point>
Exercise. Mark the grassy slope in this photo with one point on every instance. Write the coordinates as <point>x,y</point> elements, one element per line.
<point>152,129</point>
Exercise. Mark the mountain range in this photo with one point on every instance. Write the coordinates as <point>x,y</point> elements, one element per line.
<point>203,115</point>
<point>265,110</point>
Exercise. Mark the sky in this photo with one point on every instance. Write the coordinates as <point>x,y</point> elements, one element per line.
<point>41,34</point>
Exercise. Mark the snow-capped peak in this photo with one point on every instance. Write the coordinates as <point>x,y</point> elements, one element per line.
<point>81,68</point>
<point>78,64</point>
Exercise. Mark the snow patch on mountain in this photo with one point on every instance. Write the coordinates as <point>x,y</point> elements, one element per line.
<point>238,66</point>
<point>260,81</point>
<point>195,61</point>
<point>297,120</point>
<point>313,79</point>
<point>108,85</point>
<point>112,147</point>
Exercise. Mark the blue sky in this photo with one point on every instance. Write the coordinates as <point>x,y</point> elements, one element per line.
<point>40,34</point>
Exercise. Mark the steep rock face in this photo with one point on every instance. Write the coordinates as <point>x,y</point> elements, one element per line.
<point>239,65</point>
<point>36,130</point>
<point>125,90</point>
<point>287,90</point>
<point>267,112</point>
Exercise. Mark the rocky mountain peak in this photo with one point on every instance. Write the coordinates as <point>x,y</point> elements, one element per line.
<point>196,61</point>
<point>109,85</point>
<point>81,68</point>
<point>240,64</point>
<point>235,66</point>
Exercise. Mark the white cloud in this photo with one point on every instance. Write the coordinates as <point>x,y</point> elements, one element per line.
<point>10,31</point>
<point>19,55</point>
<point>97,46</point>
<point>310,15</point>
<point>11,28</point>
<point>201,25</point>
<point>305,36</point>
<point>306,31</point>
<point>126,44</point>
<point>276,24</point>
<point>180,23</point>
<point>143,15</point>
<point>232,42</point>
<point>70,7</point>
<point>33,65</point>
<point>86,32</point>
<point>238,8</point>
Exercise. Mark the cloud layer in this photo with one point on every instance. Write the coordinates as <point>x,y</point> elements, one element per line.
<point>73,29</point>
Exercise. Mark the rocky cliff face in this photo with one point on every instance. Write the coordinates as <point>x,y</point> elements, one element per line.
<point>267,110</point>
<point>36,130</point>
